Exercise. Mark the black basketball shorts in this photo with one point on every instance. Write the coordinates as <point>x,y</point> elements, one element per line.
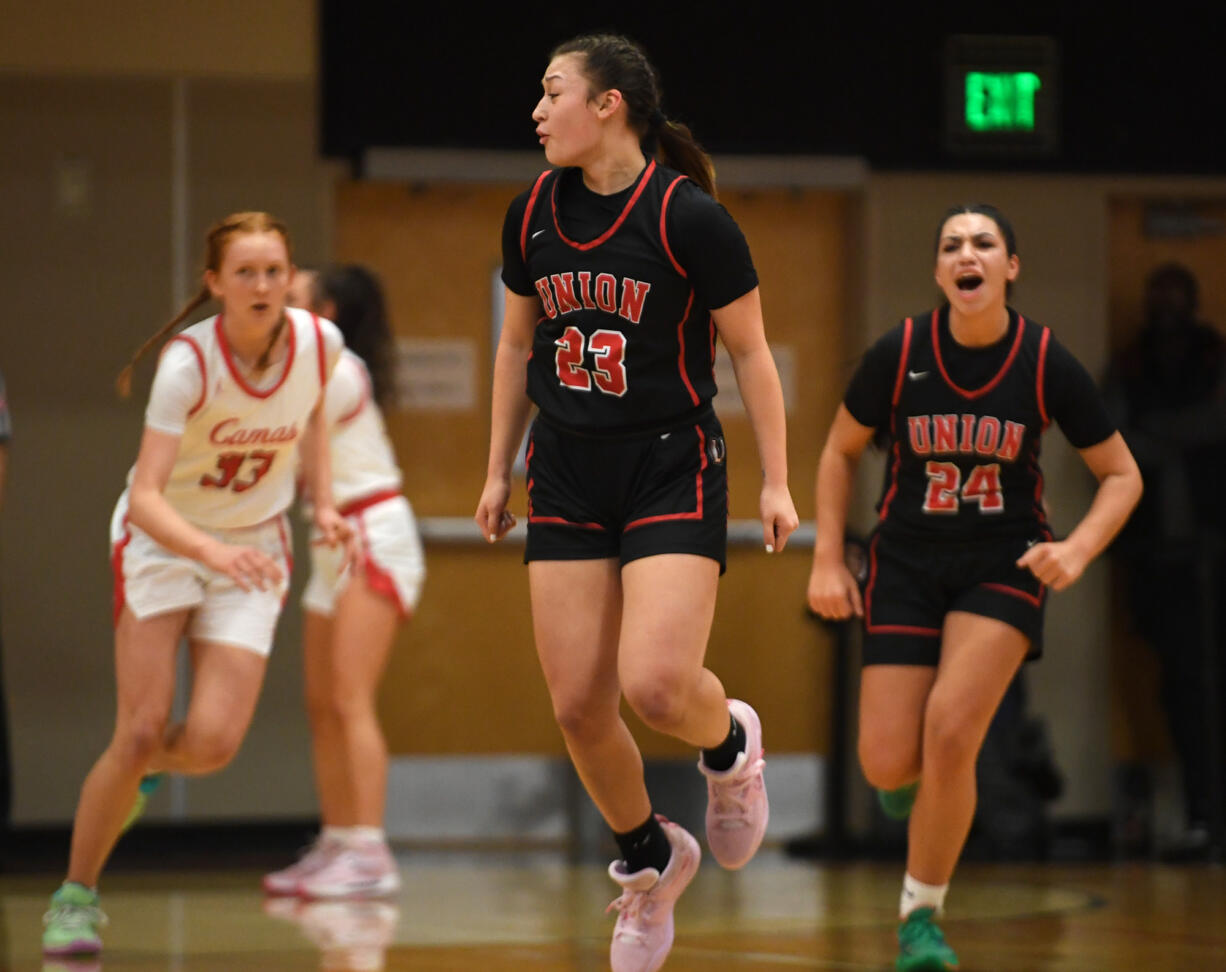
<point>591,498</point>
<point>913,584</point>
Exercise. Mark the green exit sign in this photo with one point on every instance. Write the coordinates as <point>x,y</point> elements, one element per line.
<point>1001,96</point>
<point>1001,101</point>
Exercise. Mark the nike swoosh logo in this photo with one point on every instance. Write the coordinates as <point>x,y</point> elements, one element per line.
<point>916,375</point>
<point>537,233</point>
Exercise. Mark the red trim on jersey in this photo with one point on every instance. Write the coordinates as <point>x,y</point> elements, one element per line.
<point>117,570</point>
<point>697,513</point>
<point>379,579</point>
<point>228,356</point>
<point>553,197</point>
<point>367,393</point>
<point>356,506</point>
<point>902,363</point>
<point>523,230</point>
<point>319,351</point>
<point>663,231</point>
<point>1042,370</point>
<point>1015,592</point>
<point>889,496</point>
<point>685,378</point>
<point>894,466</point>
<point>978,392</point>
<point>204,374</point>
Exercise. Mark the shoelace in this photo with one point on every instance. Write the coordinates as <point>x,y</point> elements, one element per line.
<point>76,916</point>
<point>732,796</point>
<point>633,906</point>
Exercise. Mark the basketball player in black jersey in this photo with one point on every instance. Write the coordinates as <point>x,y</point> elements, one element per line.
<point>621,271</point>
<point>962,555</point>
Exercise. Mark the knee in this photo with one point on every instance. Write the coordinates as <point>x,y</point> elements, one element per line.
<point>139,741</point>
<point>582,719</point>
<point>951,743</point>
<point>212,748</point>
<point>658,699</point>
<point>889,763</point>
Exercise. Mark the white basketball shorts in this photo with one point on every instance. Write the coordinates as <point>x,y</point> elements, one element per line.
<point>152,580</point>
<point>390,556</point>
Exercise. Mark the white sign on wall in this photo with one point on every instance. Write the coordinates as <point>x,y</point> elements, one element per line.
<point>435,374</point>
<point>729,402</point>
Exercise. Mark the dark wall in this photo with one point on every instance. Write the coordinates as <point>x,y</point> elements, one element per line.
<point>1141,88</point>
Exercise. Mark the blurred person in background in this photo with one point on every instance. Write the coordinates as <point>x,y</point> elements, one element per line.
<point>352,617</point>
<point>1167,392</point>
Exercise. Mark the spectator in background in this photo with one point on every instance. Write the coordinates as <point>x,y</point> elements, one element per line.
<point>1167,393</point>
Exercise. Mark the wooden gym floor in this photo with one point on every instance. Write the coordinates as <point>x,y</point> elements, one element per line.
<point>496,912</point>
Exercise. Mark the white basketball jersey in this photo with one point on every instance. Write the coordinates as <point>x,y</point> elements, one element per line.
<point>238,446</point>
<point>363,461</point>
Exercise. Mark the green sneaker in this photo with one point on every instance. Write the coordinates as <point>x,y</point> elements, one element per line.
<point>897,804</point>
<point>921,946</point>
<point>148,785</point>
<point>71,923</point>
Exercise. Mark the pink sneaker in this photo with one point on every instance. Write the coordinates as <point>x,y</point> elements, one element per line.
<point>362,870</point>
<point>737,809</point>
<point>287,880</point>
<point>644,931</point>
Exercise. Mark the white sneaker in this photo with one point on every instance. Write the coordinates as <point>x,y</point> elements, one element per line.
<point>737,808</point>
<point>643,935</point>
<point>316,857</point>
<point>361,870</point>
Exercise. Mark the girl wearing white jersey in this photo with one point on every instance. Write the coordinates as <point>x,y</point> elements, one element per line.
<point>351,618</point>
<point>200,543</point>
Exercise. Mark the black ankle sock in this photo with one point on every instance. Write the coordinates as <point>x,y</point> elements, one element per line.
<point>645,846</point>
<point>724,755</point>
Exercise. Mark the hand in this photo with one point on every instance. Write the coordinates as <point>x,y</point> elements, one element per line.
<point>492,516</point>
<point>833,592</point>
<point>335,530</point>
<point>248,567</point>
<point>779,519</point>
<point>1057,564</point>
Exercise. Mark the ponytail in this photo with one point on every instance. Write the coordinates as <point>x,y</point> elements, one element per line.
<point>123,384</point>
<point>678,149</point>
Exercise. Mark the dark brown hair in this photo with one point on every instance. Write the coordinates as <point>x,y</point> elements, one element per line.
<point>216,242</point>
<point>361,314</point>
<point>612,61</point>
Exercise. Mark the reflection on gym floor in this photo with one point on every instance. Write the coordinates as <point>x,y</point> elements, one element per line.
<point>496,911</point>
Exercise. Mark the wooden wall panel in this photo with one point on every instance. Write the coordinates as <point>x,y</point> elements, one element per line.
<point>464,678</point>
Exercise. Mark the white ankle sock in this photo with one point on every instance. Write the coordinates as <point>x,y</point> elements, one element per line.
<point>364,835</point>
<point>917,894</point>
<point>338,834</point>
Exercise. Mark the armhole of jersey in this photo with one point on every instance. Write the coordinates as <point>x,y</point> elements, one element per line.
<point>1041,375</point>
<point>367,395</point>
<point>204,375</point>
<point>523,230</point>
<point>668,195</point>
<point>319,350</point>
<point>902,363</point>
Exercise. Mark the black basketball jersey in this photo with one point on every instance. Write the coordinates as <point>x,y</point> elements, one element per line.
<point>625,342</point>
<point>963,461</point>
